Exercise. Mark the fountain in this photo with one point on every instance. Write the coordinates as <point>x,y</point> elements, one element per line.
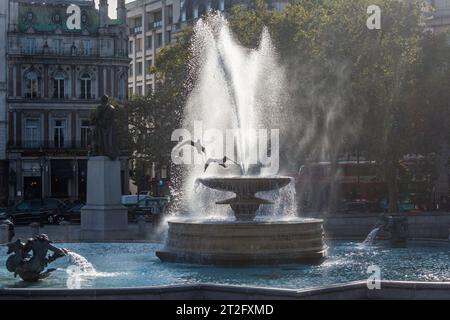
<point>238,89</point>
<point>396,229</point>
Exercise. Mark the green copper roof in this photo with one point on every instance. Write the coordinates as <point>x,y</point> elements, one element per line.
<point>49,18</point>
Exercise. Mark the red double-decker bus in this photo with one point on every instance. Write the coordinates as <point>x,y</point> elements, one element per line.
<point>360,186</point>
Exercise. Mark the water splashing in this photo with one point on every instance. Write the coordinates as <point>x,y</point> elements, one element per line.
<point>81,263</point>
<point>238,89</point>
<point>371,237</point>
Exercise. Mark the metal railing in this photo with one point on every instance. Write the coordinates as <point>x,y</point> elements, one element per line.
<point>43,145</point>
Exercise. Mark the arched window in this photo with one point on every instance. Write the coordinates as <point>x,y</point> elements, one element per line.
<point>86,86</point>
<point>32,85</point>
<point>59,85</point>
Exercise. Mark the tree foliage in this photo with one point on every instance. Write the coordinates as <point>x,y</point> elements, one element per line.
<point>381,92</point>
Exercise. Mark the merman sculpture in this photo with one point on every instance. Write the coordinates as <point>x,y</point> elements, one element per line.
<point>30,268</point>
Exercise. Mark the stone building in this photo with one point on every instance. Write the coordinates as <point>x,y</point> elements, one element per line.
<point>63,56</point>
<point>3,94</point>
<point>154,24</point>
<point>440,15</point>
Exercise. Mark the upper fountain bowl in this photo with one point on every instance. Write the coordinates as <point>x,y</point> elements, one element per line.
<point>243,184</point>
<point>246,203</point>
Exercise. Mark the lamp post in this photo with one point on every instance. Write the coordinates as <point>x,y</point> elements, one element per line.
<point>43,165</point>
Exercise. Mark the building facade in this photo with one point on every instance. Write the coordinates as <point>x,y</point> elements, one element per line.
<point>3,94</point>
<point>440,15</point>
<point>63,56</point>
<point>154,24</point>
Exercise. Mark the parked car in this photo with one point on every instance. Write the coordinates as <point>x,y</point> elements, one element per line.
<point>50,211</point>
<point>73,214</point>
<point>153,208</point>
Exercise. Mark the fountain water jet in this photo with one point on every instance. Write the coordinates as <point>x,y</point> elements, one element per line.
<point>239,89</point>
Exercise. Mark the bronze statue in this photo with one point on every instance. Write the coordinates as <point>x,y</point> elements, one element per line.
<point>105,135</point>
<point>31,268</point>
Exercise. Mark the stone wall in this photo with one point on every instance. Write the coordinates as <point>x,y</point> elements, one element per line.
<point>392,290</point>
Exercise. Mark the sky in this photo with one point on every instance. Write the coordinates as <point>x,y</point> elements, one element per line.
<point>112,7</point>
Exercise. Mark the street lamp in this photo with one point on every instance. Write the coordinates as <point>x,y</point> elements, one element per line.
<point>43,165</point>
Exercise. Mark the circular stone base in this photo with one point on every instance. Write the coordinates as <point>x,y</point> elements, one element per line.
<point>244,243</point>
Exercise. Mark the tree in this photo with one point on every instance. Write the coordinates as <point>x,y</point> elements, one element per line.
<point>154,117</point>
<point>358,81</point>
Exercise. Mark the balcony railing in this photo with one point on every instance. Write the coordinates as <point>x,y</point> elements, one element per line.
<point>61,52</point>
<point>42,145</point>
<point>156,24</point>
<point>136,30</point>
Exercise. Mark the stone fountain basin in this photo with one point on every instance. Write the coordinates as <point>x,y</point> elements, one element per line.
<point>233,243</point>
<point>245,185</point>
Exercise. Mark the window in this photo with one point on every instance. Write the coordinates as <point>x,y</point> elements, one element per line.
<point>59,83</point>
<point>157,19</point>
<point>170,14</point>
<point>130,70</point>
<point>149,42</point>
<point>30,46</point>
<point>58,46</point>
<point>86,86</point>
<point>31,85</point>
<point>159,40</point>
<point>130,92</point>
<point>139,69</point>
<point>138,45</point>
<point>59,133</point>
<point>85,133</point>
<point>148,65</point>
<point>139,90</point>
<point>86,47</point>
<point>169,37</point>
<point>32,133</point>
<point>131,47</point>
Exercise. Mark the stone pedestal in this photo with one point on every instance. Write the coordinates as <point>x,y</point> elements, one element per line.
<point>103,217</point>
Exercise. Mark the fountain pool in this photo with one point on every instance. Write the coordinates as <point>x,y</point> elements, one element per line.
<point>135,265</point>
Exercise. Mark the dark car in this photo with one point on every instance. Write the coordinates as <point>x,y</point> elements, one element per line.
<point>46,211</point>
<point>73,214</point>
